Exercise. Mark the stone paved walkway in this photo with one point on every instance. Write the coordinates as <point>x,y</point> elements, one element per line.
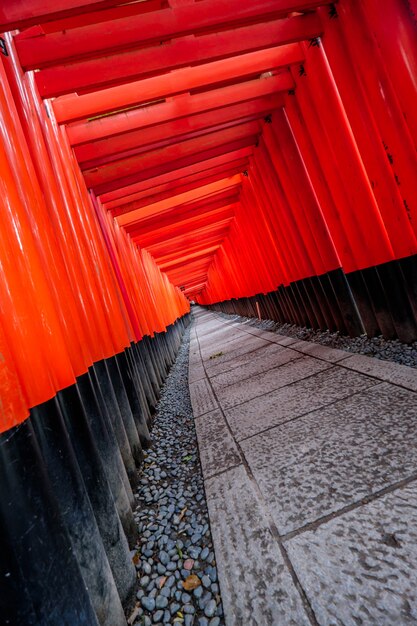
<point>309,458</point>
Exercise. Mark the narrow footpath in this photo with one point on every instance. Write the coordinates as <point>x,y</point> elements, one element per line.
<point>309,457</point>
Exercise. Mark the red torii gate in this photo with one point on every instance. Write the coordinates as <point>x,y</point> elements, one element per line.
<point>238,153</point>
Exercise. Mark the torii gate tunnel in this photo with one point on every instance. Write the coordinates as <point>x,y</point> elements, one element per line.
<point>253,156</point>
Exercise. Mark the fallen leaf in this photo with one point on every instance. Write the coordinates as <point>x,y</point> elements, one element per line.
<point>182,513</point>
<point>215,356</point>
<point>187,458</point>
<point>162,581</point>
<point>188,564</point>
<point>136,558</point>
<point>191,582</point>
<point>134,615</point>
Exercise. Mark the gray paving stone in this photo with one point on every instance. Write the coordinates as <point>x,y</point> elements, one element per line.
<point>195,360</point>
<point>283,340</point>
<point>256,586</point>
<point>254,331</point>
<point>243,359</point>
<point>216,343</point>
<point>229,358</point>
<point>295,368</point>
<point>221,332</point>
<point>336,456</point>
<point>196,372</point>
<point>296,399</point>
<point>209,327</point>
<point>360,568</point>
<point>385,370</point>
<point>257,362</point>
<point>218,451</point>
<point>332,355</point>
<point>202,398</point>
<point>219,345</point>
<point>225,345</point>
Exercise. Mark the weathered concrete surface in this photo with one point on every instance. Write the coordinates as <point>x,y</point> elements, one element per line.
<point>255,582</point>
<point>218,450</point>
<point>310,463</point>
<point>360,568</point>
<point>258,362</point>
<point>202,398</point>
<point>310,391</point>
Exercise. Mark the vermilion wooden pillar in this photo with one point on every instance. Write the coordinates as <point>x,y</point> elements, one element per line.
<point>317,93</point>
<point>288,239</point>
<point>379,124</point>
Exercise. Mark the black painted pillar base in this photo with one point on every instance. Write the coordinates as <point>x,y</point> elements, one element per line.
<point>108,402</point>
<point>41,581</point>
<point>65,496</point>
<point>363,302</point>
<point>397,294</point>
<point>408,269</point>
<point>127,375</point>
<point>387,298</point>
<point>346,303</point>
<point>380,300</point>
<point>97,473</point>
<point>76,510</point>
<point>106,442</point>
<point>116,380</point>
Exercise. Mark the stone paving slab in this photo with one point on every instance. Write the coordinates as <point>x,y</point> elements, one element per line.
<point>361,568</point>
<point>248,558</point>
<point>195,358</point>
<point>230,359</point>
<point>296,399</point>
<point>196,373</point>
<point>311,486</point>
<point>226,333</point>
<point>336,456</point>
<point>218,450</point>
<point>257,362</point>
<point>281,339</point>
<point>223,346</point>
<point>216,369</point>
<point>261,384</point>
<point>202,398</point>
<point>384,370</point>
<point>332,355</point>
<point>241,342</point>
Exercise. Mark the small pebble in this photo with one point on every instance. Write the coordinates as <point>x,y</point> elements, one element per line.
<point>204,554</point>
<point>161,602</point>
<point>174,608</point>
<point>210,608</point>
<point>206,581</point>
<point>148,603</point>
<point>172,517</point>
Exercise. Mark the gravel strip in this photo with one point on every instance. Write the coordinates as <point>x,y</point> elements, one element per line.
<point>377,347</point>
<point>175,551</point>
